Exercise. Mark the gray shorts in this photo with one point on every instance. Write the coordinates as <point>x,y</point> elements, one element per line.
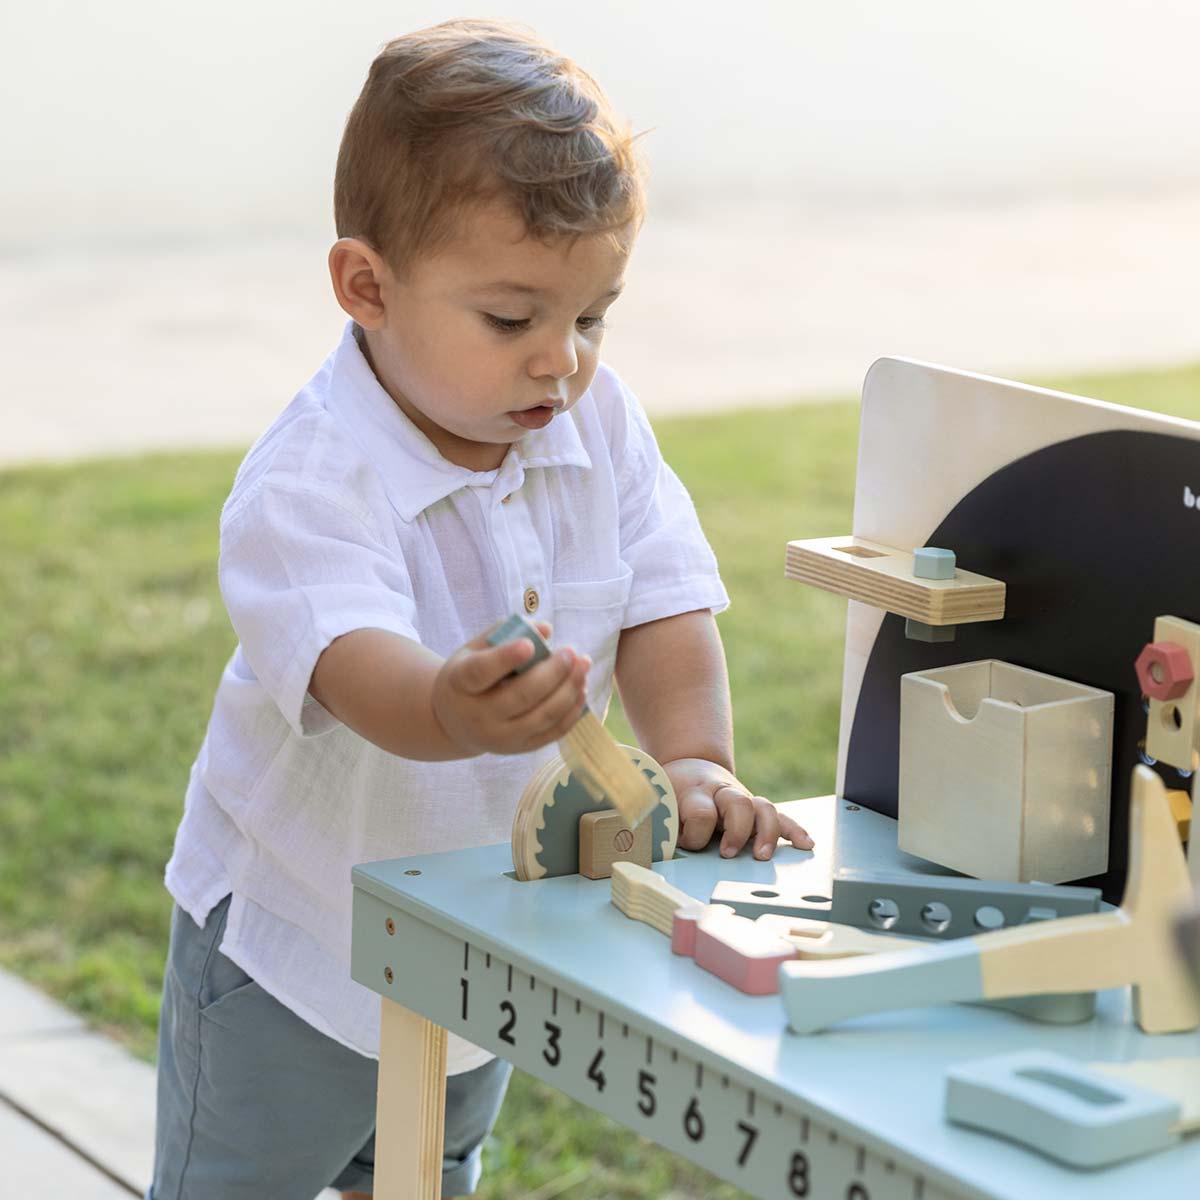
<point>255,1104</point>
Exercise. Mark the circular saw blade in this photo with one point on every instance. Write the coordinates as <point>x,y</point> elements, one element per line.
<point>545,838</point>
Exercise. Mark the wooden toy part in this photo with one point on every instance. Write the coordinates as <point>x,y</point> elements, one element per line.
<point>1187,937</point>
<point>1194,845</point>
<point>1005,773</point>
<point>595,757</point>
<point>686,920</point>
<point>824,939</point>
<point>599,762</point>
<point>605,838</point>
<point>1063,1108</point>
<point>546,826</point>
<point>1133,945</point>
<point>411,1103</point>
<point>932,562</point>
<point>905,902</point>
<point>1173,723</point>
<point>1164,670</point>
<point>884,577</point>
<point>643,895</point>
<point>918,631</point>
<point>741,952</point>
<point>1178,1078</point>
<point>1181,809</point>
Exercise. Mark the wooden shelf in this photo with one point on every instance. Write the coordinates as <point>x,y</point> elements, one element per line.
<point>882,576</point>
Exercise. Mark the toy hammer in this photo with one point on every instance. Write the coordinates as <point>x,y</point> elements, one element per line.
<point>1133,945</point>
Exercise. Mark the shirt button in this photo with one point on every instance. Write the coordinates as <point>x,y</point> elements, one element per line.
<point>531,600</point>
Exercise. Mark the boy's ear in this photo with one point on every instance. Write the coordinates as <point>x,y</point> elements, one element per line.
<point>358,274</point>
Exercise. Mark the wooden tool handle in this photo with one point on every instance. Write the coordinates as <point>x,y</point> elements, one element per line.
<point>818,993</point>
<point>827,939</point>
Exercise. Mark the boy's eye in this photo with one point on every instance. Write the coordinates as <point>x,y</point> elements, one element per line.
<point>514,325</point>
<point>505,324</point>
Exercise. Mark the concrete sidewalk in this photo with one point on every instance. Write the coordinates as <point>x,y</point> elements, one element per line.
<point>76,1110</point>
<point>137,348</point>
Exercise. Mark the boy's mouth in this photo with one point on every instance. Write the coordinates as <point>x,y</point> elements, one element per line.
<point>534,418</point>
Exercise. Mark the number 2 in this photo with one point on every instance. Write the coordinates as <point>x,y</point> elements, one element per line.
<point>509,1025</point>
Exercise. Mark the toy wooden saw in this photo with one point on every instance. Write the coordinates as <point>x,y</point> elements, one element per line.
<point>545,836</point>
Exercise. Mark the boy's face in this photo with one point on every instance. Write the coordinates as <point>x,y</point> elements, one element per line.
<point>494,334</point>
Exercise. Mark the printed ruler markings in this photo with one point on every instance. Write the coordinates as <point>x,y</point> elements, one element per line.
<point>750,1148</point>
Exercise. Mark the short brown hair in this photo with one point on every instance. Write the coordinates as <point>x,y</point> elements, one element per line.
<point>469,110</point>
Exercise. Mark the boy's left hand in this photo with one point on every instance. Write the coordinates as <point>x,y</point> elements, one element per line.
<point>711,799</point>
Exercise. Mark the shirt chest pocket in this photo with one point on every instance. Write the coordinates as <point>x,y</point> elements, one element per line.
<point>588,615</point>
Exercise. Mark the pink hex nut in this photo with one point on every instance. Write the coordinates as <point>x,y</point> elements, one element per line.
<point>1164,670</point>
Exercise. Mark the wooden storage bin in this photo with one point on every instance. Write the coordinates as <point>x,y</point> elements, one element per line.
<point>1005,773</point>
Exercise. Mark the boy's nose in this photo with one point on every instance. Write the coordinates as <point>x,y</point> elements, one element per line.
<point>556,359</point>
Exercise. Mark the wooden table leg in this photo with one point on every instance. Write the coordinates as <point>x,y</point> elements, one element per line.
<point>411,1106</point>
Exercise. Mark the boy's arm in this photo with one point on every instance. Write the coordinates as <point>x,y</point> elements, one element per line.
<point>411,702</point>
<point>675,690</point>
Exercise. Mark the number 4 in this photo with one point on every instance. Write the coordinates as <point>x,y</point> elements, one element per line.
<point>595,1074</point>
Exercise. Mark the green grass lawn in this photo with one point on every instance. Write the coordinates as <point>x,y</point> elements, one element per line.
<point>112,638</point>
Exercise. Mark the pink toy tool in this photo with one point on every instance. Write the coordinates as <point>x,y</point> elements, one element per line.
<point>733,948</point>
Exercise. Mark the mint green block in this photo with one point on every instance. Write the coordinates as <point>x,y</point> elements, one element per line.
<point>931,563</point>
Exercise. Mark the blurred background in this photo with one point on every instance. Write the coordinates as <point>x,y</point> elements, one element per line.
<point>1012,189</point>
<point>1002,188</point>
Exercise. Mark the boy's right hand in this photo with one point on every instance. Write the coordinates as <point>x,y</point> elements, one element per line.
<point>482,706</point>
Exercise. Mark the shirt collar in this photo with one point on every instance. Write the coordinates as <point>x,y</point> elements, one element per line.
<point>415,474</point>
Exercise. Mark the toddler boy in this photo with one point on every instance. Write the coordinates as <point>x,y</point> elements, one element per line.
<point>461,454</point>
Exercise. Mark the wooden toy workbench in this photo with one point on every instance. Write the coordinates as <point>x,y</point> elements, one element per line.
<point>1088,515</point>
<point>552,977</point>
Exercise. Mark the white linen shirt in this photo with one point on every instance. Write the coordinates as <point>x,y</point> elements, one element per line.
<point>344,516</point>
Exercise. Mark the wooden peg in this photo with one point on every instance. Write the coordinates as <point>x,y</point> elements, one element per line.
<point>605,838</point>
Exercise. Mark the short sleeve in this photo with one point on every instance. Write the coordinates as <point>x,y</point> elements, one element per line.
<point>674,568</point>
<point>298,570</point>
